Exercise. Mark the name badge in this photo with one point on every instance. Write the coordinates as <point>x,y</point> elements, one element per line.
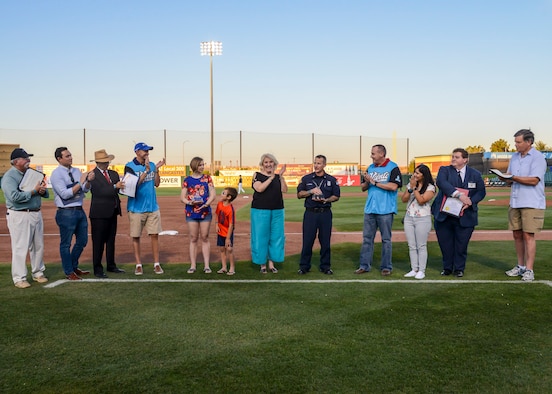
<point>471,185</point>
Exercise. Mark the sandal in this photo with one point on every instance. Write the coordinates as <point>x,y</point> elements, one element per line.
<point>207,270</point>
<point>274,270</point>
<point>191,271</point>
<point>230,273</point>
<point>221,271</point>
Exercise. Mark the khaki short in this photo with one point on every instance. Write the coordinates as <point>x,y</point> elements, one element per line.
<point>529,220</point>
<point>151,221</point>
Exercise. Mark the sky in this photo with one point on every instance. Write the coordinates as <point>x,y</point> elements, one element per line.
<point>438,74</point>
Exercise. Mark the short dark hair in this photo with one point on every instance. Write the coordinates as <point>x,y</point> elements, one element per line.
<point>321,157</point>
<point>381,148</point>
<point>464,152</point>
<point>527,135</point>
<point>232,192</point>
<point>59,151</point>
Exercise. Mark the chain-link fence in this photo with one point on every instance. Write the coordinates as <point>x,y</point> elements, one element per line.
<point>231,148</point>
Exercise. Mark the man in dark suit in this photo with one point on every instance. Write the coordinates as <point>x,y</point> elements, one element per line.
<point>104,209</point>
<point>457,181</point>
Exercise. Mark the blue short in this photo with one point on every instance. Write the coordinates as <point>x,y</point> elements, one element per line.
<point>221,241</point>
<point>207,218</point>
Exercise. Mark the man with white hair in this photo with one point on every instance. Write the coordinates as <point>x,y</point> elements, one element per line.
<point>24,220</point>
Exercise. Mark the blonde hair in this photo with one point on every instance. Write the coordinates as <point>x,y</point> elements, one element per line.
<point>194,163</point>
<point>270,156</point>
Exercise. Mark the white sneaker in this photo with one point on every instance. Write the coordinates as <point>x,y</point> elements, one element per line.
<point>516,271</point>
<point>138,270</point>
<point>420,275</point>
<point>157,269</point>
<point>528,276</point>
<point>411,274</point>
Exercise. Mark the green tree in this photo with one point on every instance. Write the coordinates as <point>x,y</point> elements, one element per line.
<point>500,145</point>
<point>541,146</point>
<point>475,149</point>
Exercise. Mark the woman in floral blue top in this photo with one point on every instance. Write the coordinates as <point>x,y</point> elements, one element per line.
<point>198,192</point>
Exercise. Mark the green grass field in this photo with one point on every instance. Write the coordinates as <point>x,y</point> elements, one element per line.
<point>286,333</point>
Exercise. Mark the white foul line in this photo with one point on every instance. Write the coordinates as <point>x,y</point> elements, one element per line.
<point>283,281</point>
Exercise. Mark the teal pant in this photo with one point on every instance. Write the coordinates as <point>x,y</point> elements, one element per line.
<point>267,235</point>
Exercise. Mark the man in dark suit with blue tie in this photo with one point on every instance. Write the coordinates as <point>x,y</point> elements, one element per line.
<point>454,232</point>
<point>104,209</point>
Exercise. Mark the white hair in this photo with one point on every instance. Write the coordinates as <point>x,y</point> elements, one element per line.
<point>270,156</point>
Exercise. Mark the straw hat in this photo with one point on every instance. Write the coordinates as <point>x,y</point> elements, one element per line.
<point>101,156</point>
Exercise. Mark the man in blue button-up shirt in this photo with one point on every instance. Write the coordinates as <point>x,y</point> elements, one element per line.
<point>69,186</point>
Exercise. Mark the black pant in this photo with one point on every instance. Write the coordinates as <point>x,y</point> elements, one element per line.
<point>103,236</point>
<point>321,223</point>
<point>453,240</point>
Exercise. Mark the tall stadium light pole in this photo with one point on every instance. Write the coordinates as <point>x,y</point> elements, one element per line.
<point>211,48</point>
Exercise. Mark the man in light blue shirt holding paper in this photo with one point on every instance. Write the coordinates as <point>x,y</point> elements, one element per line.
<point>527,202</point>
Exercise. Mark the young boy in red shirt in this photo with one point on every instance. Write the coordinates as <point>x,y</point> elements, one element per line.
<point>225,217</point>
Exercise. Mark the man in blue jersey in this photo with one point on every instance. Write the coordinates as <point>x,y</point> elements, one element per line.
<point>143,210</point>
<point>382,180</point>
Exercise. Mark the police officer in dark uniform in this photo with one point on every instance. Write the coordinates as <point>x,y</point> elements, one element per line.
<point>319,190</point>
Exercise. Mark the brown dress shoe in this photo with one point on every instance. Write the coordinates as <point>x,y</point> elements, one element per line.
<point>81,272</point>
<point>385,272</point>
<point>73,276</point>
<point>361,271</point>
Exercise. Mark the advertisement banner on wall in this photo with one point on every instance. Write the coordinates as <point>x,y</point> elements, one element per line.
<point>170,181</point>
<point>348,180</point>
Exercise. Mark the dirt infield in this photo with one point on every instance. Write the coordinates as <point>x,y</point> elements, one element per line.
<point>174,248</point>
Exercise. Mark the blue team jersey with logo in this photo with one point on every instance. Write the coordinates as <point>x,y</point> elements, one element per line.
<point>145,199</point>
<point>379,201</point>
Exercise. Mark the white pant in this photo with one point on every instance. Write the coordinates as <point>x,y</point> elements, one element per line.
<point>240,188</point>
<point>27,236</point>
<point>416,229</point>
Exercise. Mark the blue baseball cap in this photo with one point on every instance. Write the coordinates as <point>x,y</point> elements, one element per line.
<point>142,146</point>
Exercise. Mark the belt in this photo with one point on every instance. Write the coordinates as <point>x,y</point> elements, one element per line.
<point>26,210</point>
<point>318,210</point>
<point>73,208</point>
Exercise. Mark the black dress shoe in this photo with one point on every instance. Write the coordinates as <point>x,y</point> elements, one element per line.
<point>117,271</point>
<point>459,274</point>
<point>446,272</point>
<point>100,275</point>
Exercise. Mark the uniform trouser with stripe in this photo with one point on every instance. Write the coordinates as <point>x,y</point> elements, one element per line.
<point>313,223</point>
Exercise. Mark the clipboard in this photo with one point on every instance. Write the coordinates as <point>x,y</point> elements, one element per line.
<point>500,174</point>
<point>130,181</point>
<point>31,178</point>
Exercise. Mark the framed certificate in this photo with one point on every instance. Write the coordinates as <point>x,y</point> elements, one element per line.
<point>453,206</point>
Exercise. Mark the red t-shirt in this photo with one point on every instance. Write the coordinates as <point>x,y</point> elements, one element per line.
<point>225,217</point>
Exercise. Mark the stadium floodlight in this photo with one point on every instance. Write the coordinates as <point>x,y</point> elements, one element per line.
<point>211,48</point>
